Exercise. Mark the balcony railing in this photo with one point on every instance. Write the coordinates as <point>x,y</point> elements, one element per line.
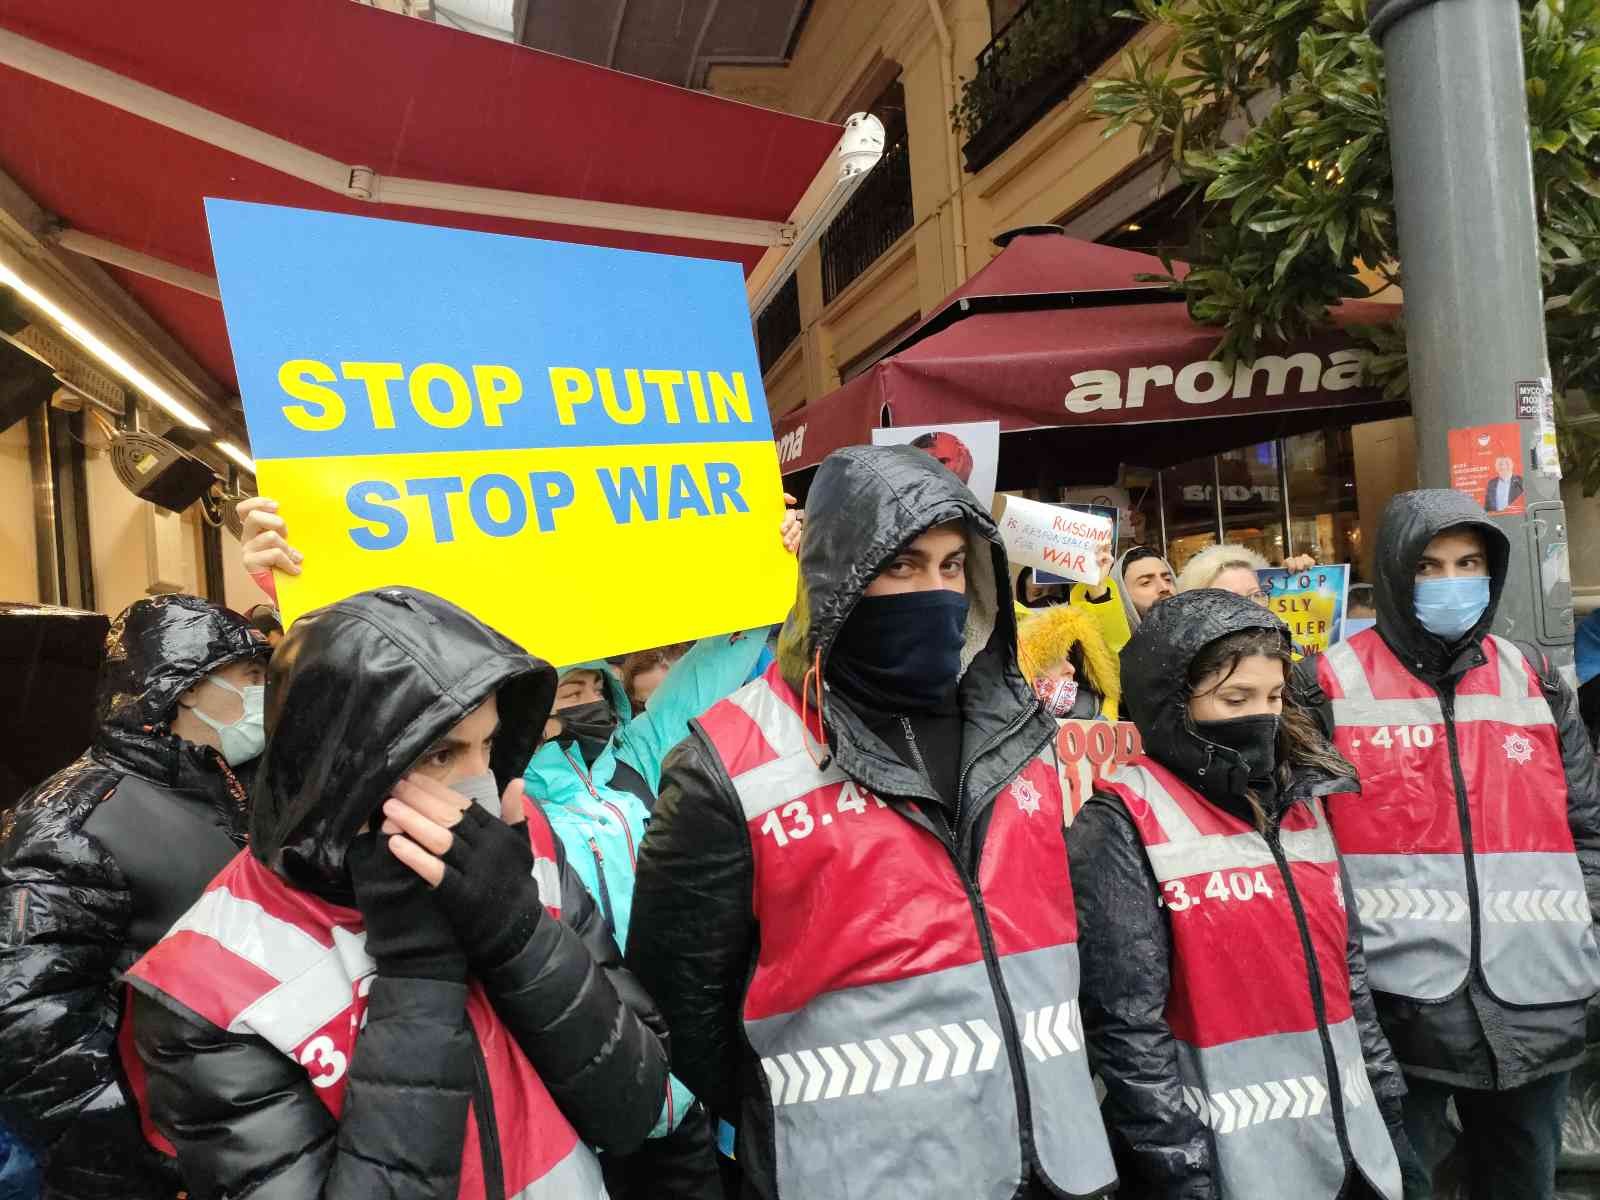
<point>779,325</point>
<point>874,219</point>
<point>1037,60</point>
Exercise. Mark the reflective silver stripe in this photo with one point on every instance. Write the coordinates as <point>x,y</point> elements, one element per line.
<point>297,1008</point>
<point>1189,852</point>
<point>789,776</point>
<point>855,1069</point>
<point>1413,912</point>
<point>575,1177</point>
<point>279,948</point>
<point>778,723</point>
<point>1068,1134</point>
<point>1537,941</point>
<point>1268,1105</point>
<point>548,878</point>
<point>1512,706</point>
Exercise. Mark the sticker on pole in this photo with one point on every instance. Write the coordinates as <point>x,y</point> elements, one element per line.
<point>509,423</point>
<point>1485,464</point>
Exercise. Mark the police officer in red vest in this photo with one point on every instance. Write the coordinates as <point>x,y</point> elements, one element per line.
<point>853,902</point>
<point>400,989</point>
<point>1473,847</point>
<point>1224,988</point>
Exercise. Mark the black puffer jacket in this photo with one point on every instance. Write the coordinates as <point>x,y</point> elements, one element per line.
<point>694,940</point>
<point>357,693</point>
<point>1124,932</point>
<point>1472,1040</point>
<point>95,865</point>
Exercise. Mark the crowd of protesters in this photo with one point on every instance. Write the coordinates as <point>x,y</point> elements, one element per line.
<point>384,905</point>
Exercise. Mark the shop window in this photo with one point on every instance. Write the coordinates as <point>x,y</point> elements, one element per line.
<point>1165,224</point>
<point>1324,516</point>
<point>1190,510</point>
<point>1252,501</point>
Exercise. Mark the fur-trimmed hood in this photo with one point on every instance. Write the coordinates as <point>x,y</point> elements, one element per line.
<point>1048,635</point>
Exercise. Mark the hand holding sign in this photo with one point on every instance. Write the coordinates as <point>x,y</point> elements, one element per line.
<point>1058,540</point>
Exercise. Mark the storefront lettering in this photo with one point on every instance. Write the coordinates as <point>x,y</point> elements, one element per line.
<point>792,444</point>
<point>1233,493</point>
<point>1210,380</point>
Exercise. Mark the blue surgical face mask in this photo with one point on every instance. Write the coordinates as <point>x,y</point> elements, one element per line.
<point>1449,608</point>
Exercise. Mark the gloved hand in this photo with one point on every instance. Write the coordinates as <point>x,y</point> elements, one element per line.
<point>488,891</point>
<point>408,934</point>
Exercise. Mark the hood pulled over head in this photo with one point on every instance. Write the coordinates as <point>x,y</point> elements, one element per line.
<point>1119,569</point>
<point>1410,521</point>
<point>1155,674</point>
<point>158,648</point>
<point>865,504</point>
<point>357,692</point>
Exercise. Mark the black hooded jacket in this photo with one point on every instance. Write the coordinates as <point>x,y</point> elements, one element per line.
<point>694,940</point>
<point>95,864</point>
<point>1471,1039</point>
<point>1163,1149</point>
<point>357,693</point>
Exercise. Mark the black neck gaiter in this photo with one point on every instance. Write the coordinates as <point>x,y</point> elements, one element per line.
<point>901,654</point>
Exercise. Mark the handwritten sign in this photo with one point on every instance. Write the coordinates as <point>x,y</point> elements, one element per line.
<point>1090,751</point>
<point>1312,603</point>
<point>1059,540</point>
<point>508,423</point>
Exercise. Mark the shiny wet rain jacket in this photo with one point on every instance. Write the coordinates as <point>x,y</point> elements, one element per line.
<point>358,692</point>
<point>95,864</point>
<point>1165,1148</point>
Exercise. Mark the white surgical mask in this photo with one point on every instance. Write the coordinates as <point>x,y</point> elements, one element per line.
<point>243,739</point>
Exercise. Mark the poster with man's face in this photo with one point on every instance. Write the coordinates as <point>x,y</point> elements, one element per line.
<point>971,450</point>
<point>1485,464</point>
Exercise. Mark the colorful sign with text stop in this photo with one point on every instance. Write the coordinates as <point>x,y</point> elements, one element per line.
<point>513,424</point>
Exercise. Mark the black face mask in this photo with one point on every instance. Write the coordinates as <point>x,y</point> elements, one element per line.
<point>589,725</point>
<point>902,653</point>
<point>1254,739</point>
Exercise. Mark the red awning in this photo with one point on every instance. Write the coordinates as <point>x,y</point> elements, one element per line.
<point>408,99</point>
<point>1084,367</point>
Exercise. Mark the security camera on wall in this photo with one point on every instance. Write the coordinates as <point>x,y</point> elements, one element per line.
<point>161,469</point>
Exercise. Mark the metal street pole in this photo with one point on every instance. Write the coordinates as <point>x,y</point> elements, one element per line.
<point>1463,183</point>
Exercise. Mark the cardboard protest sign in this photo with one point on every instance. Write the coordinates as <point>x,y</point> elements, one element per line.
<point>509,423</point>
<point>1089,751</point>
<point>1109,512</point>
<point>1049,538</point>
<point>970,449</point>
<point>1310,602</point>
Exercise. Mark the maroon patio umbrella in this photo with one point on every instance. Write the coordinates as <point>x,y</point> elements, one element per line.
<point>1084,367</point>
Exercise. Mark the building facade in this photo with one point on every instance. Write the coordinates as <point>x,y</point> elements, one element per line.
<point>985,105</point>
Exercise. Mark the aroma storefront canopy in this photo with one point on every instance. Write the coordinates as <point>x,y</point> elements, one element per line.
<point>119,120</point>
<point>1084,367</point>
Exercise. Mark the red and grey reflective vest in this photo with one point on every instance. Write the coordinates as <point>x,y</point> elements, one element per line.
<point>917,1029</point>
<point>260,959</point>
<point>1259,1003</point>
<point>1459,847</point>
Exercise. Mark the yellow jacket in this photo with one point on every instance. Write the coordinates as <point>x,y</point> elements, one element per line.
<point>1045,636</point>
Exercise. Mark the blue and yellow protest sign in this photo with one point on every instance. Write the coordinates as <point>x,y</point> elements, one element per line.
<point>513,424</point>
<point>1311,603</point>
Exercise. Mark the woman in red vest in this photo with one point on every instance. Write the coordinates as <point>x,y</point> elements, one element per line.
<point>1224,987</point>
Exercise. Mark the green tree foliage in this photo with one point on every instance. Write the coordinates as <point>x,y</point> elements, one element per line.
<point>1274,114</point>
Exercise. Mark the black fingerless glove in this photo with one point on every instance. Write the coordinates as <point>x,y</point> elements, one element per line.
<point>488,892</point>
<point>407,932</point>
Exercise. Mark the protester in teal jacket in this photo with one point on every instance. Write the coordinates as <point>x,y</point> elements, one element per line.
<point>597,772</point>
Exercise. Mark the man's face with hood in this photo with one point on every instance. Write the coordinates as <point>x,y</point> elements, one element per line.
<point>1455,553</point>
<point>935,559</point>
<point>463,752</point>
<point>1147,580</point>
